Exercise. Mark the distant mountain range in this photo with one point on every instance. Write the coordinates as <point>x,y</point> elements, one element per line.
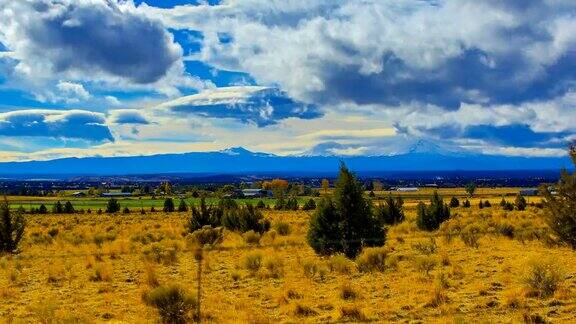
<point>238,160</point>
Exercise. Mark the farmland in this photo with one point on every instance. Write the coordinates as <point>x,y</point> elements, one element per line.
<point>97,268</point>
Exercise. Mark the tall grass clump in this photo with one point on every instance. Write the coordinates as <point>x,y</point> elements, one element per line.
<point>174,304</point>
<point>543,277</point>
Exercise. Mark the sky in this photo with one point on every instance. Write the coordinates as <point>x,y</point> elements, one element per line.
<point>289,77</point>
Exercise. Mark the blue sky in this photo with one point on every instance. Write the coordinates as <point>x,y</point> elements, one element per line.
<point>343,77</point>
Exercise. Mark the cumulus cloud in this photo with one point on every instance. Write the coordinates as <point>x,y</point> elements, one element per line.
<point>86,36</point>
<point>128,116</point>
<point>390,52</point>
<point>68,124</point>
<point>262,106</point>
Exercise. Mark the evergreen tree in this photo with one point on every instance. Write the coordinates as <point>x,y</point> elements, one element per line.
<point>430,217</point>
<point>182,207</point>
<point>481,204</point>
<point>126,210</point>
<point>391,211</point>
<point>466,203</point>
<point>520,202</point>
<point>42,209</point>
<point>57,208</point>
<point>345,223</point>
<point>261,205</point>
<point>12,228</point>
<point>454,202</point>
<point>487,204</point>
<point>470,189</point>
<point>560,206</point>
<point>113,206</point>
<point>68,208</point>
<point>168,205</point>
<point>309,205</point>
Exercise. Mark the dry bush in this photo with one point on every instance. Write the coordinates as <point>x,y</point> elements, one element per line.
<point>514,299</point>
<point>282,228</point>
<point>174,304</point>
<point>310,268</point>
<point>165,253</point>
<point>347,292</point>
<point>426,247</point>
<point>251,237</point>
<point>208,235</point>
<point>372,259</point>
<point>252,262</point>
<point>543,277</point>
<point>102,272</point>
<point>274,267</point>
<point>470,235</point>
<point>340,263</point>
<point>425,264</point>
<point>438,296</point>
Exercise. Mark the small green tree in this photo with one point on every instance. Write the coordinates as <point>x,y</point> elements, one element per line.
<point>261,205</point>
<point>203,215</point>
<point>345,223</point>
<point>68,208</point>
<point>57,208</point>
<point>182,207</point>
<point>466,203</point>
<point>42,209</point>
<point>520,202</point>
<point>430,217</point>
<point>113,206</point>
<point>168,205</point>
<point>391,211</point>
<point>12,228</point>
<point>560,206</point>
<point>487,204</point>
<point>470,189</point>
<point>481,204</point>
<point>309,205</point>
<point>454,202</point>
<point>126,210</point>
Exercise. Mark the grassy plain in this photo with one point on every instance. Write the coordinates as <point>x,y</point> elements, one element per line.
<point>95,268</point>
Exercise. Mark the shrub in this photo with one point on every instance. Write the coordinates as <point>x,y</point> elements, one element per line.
<point>508,206</point>
<point>470,235</point>
<point>507,230</point>
<point>174,304</point>
<point>454,202</point>
<point>261,205</point>
<point>57,208</point>
<point>162,253</point>
<point>251,237</point>
<point>391,212</point>
<point>282,228</point>
<point>304,310</point>
<point>113,206</point>
<point>274,267</point>
<point>126,210</point>
<point>520,202</point>
<point>309,205</point>
<point>466,203</point>
<point>252,261</point>
<point>425,264</point>
<point>102,272</point>
<point>310,268</point>
<point>68,208</point>
<point>244,219</point>
<point>430,217</point>
<point>203,216</point>
<point>372,259</point>
<point>345,223</point>
<point>543,277</point>
<point>42,209</point>
<point>12,226</point>
<point>560,208</point>
<point>182,207</point>
<point>481,204</point>
<point>208,235</point>
<point>291,204</point>
<point>352,313</point>
<point>168,205</point>
<point>340,264</point>
<point>426,247</point>
<point>487,204</point>
<point>347,292</point>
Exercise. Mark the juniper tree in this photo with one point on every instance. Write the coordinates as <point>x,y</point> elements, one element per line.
<point>560,205</point>
<point>182,207</point>
<point>430,217</point>
<point>391,211</point>
<point>520,202</point>
<point>168,205</point>
<point>12,228</point>
<point>113,206</point>
<point>344,222</point>
<point>454,202</point>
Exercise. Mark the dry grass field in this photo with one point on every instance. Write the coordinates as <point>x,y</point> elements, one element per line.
<point>90,268</point>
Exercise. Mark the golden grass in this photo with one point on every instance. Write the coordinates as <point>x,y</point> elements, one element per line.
<point>95,268</point>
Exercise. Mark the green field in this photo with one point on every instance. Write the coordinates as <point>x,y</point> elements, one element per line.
<point>130,202</point>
